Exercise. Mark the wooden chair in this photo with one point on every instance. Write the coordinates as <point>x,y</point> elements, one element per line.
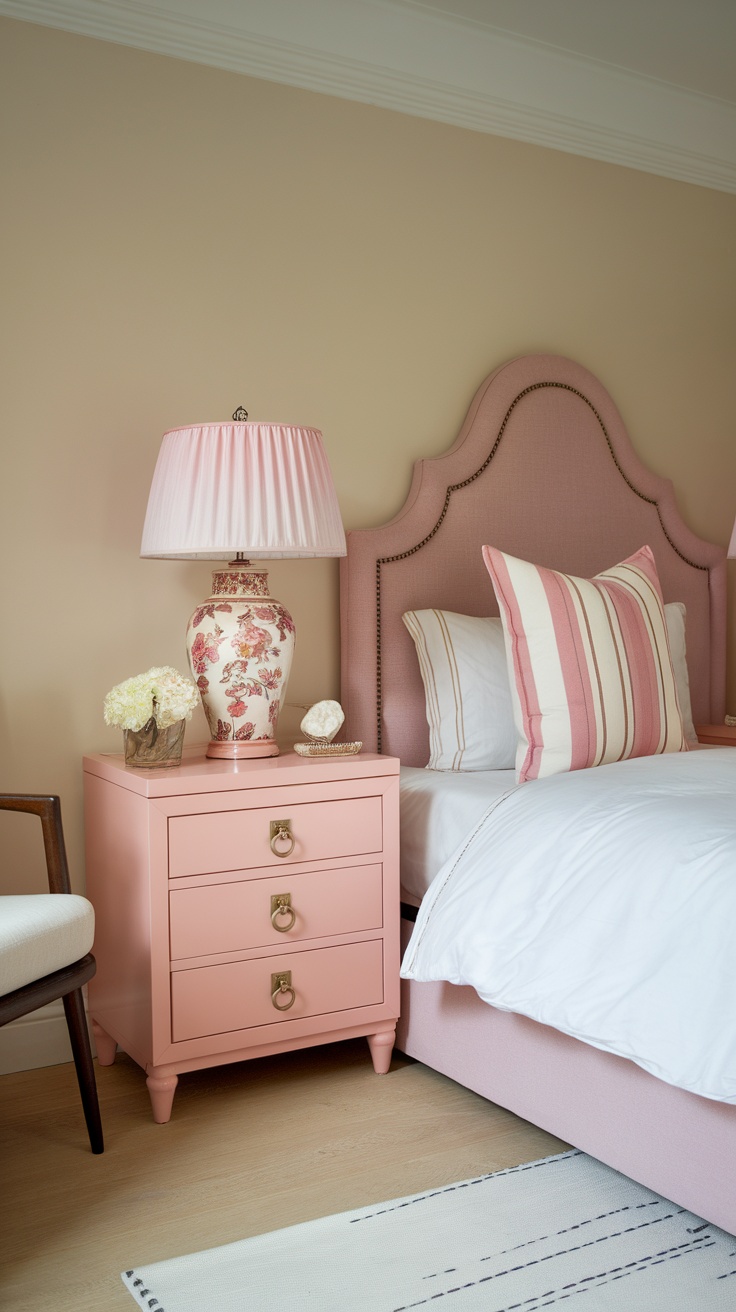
<point>44,950</point>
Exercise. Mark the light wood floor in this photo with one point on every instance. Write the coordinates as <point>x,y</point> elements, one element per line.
<point>250,1147</point>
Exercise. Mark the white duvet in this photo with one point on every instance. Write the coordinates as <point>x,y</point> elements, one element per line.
<point>603,903</point>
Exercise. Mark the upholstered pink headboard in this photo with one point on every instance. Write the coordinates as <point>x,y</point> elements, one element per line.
<point>543,468</point>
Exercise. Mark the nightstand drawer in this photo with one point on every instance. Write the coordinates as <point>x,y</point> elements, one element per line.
<point>239,840</point>
<point>229,917</point>
<point>237,995</point>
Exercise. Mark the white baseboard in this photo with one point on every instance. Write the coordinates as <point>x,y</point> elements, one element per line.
<point>39,1039</point>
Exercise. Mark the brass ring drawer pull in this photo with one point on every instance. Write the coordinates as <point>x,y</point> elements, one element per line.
<point>281,987</point>
<point>281,906</point>
<point>281,833</point>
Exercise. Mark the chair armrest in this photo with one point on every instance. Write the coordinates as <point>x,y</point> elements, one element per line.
<point>48,810</point>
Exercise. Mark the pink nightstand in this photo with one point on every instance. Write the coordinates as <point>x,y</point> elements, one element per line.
<point>242,909</point>
<point>718,735</point>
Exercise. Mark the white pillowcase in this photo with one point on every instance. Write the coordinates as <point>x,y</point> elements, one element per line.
<point>462,659</point>
<point>675,615</point>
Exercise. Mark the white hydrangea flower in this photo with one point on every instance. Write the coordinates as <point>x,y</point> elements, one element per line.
<point>162,692</point>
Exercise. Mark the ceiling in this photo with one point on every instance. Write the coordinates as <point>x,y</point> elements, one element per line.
<point>650,84</point>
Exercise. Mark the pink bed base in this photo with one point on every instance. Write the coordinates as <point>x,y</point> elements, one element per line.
<point>543,467</point>
<point>682,1146</point>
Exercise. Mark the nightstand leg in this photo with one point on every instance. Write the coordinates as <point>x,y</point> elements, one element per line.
<point>161,1089</point>
<point>381,1046</point>
<point>106,1047</point>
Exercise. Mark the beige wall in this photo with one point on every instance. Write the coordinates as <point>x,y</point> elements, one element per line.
<point>179,240</point>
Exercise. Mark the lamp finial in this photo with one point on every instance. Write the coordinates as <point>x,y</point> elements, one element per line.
<point>240,415</point>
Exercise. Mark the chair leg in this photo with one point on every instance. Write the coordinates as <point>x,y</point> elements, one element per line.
<point>79,1035</point>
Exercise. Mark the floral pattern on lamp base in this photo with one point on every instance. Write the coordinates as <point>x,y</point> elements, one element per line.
<point>240,643</point>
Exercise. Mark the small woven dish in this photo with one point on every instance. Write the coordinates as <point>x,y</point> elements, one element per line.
<point>327,749</point>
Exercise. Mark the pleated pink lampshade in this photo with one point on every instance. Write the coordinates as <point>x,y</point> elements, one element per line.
<point>250,492</point>
<point>264,490</point>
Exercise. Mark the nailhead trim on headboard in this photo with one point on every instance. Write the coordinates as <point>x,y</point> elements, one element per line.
<point>455,487</point>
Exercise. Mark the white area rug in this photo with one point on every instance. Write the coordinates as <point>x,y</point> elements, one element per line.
<point>532,1237</point>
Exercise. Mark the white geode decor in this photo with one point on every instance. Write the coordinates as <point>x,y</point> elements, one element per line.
<point>320,724</point>
<point>323,721</point>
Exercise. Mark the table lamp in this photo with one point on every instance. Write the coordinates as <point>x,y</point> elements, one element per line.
<point>239,492</point>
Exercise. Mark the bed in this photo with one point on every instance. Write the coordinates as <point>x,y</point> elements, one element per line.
<point>544,469</point>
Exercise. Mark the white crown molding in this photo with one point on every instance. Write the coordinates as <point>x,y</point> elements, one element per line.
<point>420,62</point>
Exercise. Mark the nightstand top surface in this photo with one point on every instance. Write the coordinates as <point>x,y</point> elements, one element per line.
<point>718,734</point>
<point>200,774</point>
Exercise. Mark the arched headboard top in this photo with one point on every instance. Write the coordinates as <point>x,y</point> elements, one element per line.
<point>543,468</point>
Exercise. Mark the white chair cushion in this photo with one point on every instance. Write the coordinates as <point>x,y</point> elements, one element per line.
<point>40,933</point>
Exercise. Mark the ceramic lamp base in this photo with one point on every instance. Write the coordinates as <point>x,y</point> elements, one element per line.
<point>240,643</point>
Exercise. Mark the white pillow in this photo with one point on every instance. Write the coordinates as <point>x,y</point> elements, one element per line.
<point>675,615</point>
<point>462,659</point>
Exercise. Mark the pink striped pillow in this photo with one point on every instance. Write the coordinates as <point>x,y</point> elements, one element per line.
<point>589,664</point>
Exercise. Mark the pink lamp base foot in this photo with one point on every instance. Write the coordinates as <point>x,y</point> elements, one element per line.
<point>230,751</point>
